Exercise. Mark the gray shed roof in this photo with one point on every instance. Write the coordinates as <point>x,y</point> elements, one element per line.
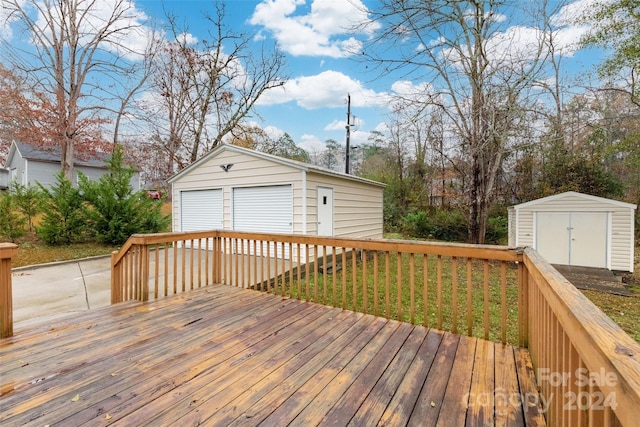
<point>573,194</point>
<point>276,159</point>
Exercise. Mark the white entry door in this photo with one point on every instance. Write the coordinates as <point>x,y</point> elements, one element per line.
<point>325,211</point>
<point>573,238</point>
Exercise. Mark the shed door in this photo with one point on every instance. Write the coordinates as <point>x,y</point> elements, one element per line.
<point>201,210</point>
<point>573,238</point>
<point>325,211</point>
<point>263,209</point>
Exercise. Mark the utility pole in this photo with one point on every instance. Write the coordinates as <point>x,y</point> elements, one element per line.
<point>346,168</point>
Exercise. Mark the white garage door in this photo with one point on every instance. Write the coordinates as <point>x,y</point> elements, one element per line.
<point>201,210</point>
<point>266,209</point>
<point>263,209</point>
<point>573,238</point>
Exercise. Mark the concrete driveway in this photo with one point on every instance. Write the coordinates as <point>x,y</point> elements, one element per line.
<point>53,290</point>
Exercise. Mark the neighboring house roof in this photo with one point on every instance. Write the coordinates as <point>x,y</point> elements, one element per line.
<point>52,155</point>
<point>573,194</point>
<point>270,157</point>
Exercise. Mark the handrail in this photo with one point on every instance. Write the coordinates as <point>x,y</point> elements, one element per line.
<point>7,252</point>
<point>586,363</point>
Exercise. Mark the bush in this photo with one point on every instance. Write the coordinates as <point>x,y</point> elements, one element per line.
<point>64,218</point>
<point>442,224</point>
<point>28,200</point>
<point>497,230</point>
<point>11,221</point>
<point>115,210</point>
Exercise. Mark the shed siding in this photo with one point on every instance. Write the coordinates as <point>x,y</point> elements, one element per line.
<point>209,175</point>
<point>357,207</point>
<point>622,223</point>
<point>621,220</point>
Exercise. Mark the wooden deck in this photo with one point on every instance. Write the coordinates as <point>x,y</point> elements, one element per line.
<point>228,356</point>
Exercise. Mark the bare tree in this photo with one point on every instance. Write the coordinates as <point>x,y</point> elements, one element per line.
<point>77,48</point>
<point>210,86</point>
<point>478,73</point>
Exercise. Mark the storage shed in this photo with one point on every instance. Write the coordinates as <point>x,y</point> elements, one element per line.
<point>576,229</point>
<point>234,188</point>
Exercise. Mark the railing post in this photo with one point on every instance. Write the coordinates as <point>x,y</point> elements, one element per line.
<point>7,251</point>
<point>116,279</point>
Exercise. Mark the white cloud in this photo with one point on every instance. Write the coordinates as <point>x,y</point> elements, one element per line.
<point>328,89</point>
<point>326,30</point>
<point>336,125</point>
<point>128,34</point>
<point>312,143</point>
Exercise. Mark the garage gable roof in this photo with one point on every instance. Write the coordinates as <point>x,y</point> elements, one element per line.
<point>574,194</point>
<point>270,157</point>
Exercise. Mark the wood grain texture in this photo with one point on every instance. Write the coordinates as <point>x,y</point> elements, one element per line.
<point>223,355</point>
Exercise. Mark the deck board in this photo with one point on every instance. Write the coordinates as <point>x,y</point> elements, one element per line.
<point>229,356</point>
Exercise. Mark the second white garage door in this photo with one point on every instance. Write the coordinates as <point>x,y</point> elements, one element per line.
<point>267,209</point>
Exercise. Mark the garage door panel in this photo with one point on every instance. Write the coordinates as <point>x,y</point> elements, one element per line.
<point>201,210</point>
<point>267,209</point>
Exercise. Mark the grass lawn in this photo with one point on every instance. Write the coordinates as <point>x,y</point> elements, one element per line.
<point>625,311</point>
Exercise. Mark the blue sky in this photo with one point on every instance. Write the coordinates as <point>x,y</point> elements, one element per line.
<point>321,72</point>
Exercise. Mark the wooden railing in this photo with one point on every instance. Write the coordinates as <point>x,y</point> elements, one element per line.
<point>7,251</point>
<point>587,368</point>
<point>463,288</point>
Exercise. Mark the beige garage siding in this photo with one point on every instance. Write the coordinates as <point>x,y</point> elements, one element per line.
<point>242,174</point>
<point>357,206</point>
<point>357,203</point>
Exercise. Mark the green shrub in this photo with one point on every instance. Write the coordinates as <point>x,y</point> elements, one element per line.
<point>64,218</point>
<point>497,230</point>
<point>115,210</point>
<point>28,200</point>
<point>11,220</point>
<point>441,224</point>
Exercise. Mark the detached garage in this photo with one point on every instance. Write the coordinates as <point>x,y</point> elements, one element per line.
<point>576,229</point>
<point>234,188</point>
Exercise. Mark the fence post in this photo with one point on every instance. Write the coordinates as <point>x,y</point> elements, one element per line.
<point>7,251</point>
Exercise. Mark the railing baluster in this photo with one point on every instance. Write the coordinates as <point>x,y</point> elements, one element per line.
<point>503,287</point>
<point>156,271</point>
<point>333,275</point>
<point>454,294</point>
<point>307,272</point>
<point>344,277</point>
<point>375,284</point>
<point>412,289</point>
<point>439,291</point>
<point>365,284</point>
<point>399,284</point>
<point>425,290</point>
<point>486,299</point>
<point>387,286</point>
<point>469,297</point>
<point>354,284</point>
<point>165,250</point>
